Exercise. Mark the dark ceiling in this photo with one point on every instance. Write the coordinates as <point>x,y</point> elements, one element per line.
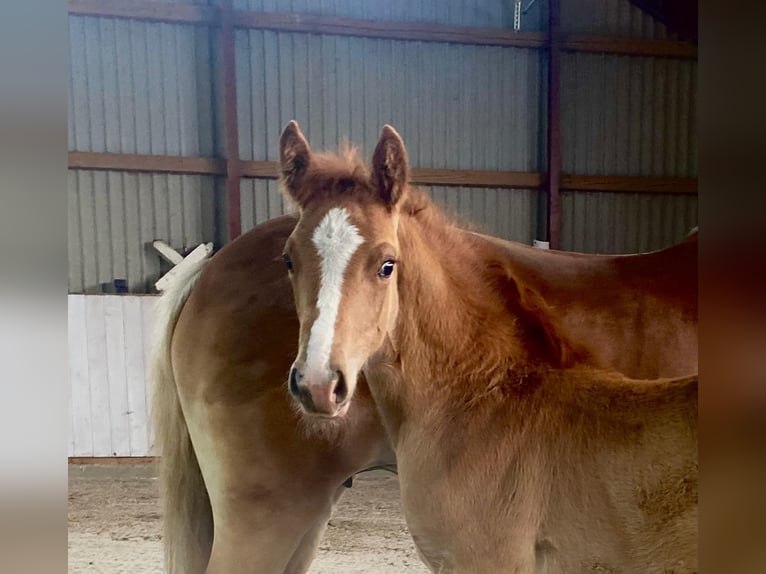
<point>679,16</point>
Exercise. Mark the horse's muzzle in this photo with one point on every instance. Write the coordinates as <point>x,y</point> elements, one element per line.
<point>325,396</point>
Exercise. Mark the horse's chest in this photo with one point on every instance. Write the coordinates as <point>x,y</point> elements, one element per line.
<point>426,502</point>
<point>456,521</point>
<point>444,523</point>
<point>433,540</point>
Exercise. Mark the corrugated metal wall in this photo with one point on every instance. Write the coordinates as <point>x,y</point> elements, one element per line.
<point>114,217</point>
<point>625,115</point>
<point>145,88</point>
<point>506,213</point>
<point>261,199</point>
<point>138,87</point>
<point>625,222</point>
<point>471,107</point>
<point>148,88</point>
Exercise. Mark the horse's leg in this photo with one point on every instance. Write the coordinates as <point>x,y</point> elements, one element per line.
<point>304,554</point>
<point>272,485</point>
<point>268,536</point>
<point>260,486</point>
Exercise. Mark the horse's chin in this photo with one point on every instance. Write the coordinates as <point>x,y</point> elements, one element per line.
<point>324,426</point>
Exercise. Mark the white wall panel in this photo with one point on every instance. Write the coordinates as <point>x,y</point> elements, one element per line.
<point>109,346</point>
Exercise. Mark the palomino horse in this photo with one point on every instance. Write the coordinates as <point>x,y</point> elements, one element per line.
<point>511,458</point>
<point>228,334</point>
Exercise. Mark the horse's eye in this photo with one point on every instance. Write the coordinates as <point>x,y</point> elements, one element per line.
<point>386,269</point>
<point>288,262</point>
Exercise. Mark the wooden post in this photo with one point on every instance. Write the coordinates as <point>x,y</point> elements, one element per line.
<point>553,179</point>
<point>230,122</point>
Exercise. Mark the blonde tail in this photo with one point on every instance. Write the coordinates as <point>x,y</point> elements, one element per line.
<point>187,516</point>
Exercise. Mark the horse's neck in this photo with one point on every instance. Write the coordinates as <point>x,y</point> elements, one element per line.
<point>454,317</point>
<point>460,337</point>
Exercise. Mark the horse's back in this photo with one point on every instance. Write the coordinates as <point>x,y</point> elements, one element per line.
<point>644,472</point>
<point>616,304</point>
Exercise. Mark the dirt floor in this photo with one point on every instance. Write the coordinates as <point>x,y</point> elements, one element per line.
<point>114,525</point>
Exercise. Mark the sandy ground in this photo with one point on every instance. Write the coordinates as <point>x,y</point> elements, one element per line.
<point>114,525</point>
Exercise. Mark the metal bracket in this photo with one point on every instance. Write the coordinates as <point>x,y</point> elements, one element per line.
<point>518,11</point>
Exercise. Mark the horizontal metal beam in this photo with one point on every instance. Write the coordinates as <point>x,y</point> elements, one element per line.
<point>259,169</point>
<point>412,31</point>
<point>147,163</point>
<point>425,176</point>
<point>419,176</point>
<point>146,10</point>
<point>422,31</point>
<point>629,184</point>
<point>475,178</point>
<point>630,46</point>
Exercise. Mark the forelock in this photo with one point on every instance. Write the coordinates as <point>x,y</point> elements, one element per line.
<point>331,175</point>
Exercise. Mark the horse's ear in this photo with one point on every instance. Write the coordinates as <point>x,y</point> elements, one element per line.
<point>389,166</point>
<point>294,158</point>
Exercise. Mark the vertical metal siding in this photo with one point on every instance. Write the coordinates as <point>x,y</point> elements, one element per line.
<point>114,217</point>
<point>625,223</point>
<point>145,88</point>
<point>456,106</point>
<point>470,107</point>
<point>261,199</point>
<point>140,87</point>
<point>625,115</point>
<point>506,213</point>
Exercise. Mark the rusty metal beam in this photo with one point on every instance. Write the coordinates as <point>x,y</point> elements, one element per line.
<point>420,176</point>
<point>148,10</point>
<point>230,122</point>
<point>553,172</point>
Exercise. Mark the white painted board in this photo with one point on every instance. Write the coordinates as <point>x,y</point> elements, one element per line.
<point>109,346</point>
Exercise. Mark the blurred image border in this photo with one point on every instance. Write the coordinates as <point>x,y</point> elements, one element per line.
<point>732,152</point>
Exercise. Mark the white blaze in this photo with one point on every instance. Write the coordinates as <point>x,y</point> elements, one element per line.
<point>336,239</point>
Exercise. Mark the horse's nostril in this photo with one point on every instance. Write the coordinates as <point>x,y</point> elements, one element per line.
<point>341,390</point>
<point>293,383</point>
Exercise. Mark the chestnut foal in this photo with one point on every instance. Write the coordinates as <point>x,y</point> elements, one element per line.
<point>511,457</point>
